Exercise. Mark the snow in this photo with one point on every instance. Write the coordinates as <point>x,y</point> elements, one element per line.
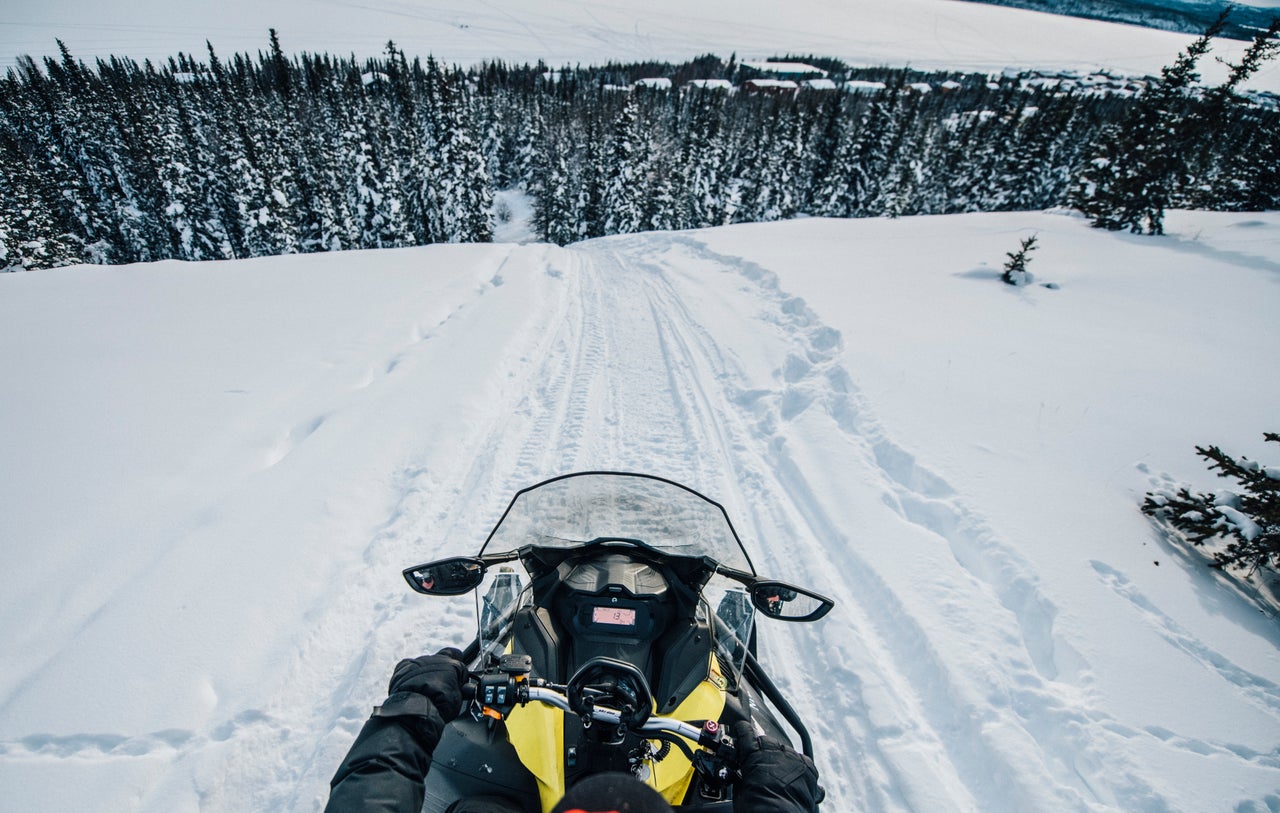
<point>785,67</point>
<point>863,86</point>
<point>771,84</point>
<point>925,34</point>
<point>214,473</point>
<point>513,217</point>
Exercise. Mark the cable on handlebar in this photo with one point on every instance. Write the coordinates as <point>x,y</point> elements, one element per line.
<point>667,741</point>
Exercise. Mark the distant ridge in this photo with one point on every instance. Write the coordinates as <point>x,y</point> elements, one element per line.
<point>1167,15</point>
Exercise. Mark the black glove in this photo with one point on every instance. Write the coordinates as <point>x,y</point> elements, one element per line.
<point>426,693</point>
<point>386,765</point>
<point>772,777</point>
<point>437,677</point>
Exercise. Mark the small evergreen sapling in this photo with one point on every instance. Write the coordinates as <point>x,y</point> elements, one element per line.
<point>1249,520</point>
<point>1015,269</point>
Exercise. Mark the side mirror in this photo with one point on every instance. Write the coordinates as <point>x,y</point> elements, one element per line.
<point>447,577</point>
<point>788,602</point>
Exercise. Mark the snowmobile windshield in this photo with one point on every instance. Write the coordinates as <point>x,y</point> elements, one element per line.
<point>576,509</point>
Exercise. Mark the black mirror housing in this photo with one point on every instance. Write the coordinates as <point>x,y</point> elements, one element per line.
<point>447,577</point>
<point>787,602</point>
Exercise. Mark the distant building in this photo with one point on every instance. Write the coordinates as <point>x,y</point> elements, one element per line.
<point>863,86</point>
<point>794,71</point>
<point>818,84</point>
<point>655,83</point>
<point>710,84</point>
<point>775,87</point>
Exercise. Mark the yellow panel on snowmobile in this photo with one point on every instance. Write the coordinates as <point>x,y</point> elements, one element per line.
<point>672,776</point>
<point>536,731</point>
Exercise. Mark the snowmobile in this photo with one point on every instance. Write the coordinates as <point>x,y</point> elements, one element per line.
<point>598,649</point>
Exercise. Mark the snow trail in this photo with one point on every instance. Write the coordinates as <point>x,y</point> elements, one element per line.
<point>948,677</point>
<point>745,421</point>
<point>617,371</point>
<point>645,362</point>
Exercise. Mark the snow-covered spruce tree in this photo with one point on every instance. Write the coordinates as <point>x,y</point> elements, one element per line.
<point>589,202</point>
<point>1135,167</point>
<point>466,190</point>
<point>553,206</point>
<point>848,187</point>
<point>1140,167</point>
<point>29,235</point>
<point>375,192</point>
<point>901,185</point>
<point>625,191</point>
<point>1248,519</point>
<point>1015,268</point>
<point>703,155</point>
<point>1235,161</point>
<point>1043,150</point>
<point>208,198</point>
<point>783,177</point>
<point>880,154</point>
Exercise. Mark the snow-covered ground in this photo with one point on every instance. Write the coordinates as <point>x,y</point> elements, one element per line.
<point>943,34</point>
<point>213,475</point>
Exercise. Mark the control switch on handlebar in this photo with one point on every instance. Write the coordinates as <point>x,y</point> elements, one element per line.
<point>497,695</point>
<point>499,692</point>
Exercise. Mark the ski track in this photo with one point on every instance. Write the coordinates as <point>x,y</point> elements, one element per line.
<point>617,372</point>
<point>754,461</point>
<point>752,422</point>
<point>621,375</point>
<point>1263,692</point>
<point>340,670</point>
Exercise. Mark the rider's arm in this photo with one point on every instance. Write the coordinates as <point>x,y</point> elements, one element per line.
<point>385,768</point>
<point>774,778</point>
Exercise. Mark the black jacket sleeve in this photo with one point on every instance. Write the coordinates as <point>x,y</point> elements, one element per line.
<point>778,781</point>
<point>773,778</point>
<point>386,766</point>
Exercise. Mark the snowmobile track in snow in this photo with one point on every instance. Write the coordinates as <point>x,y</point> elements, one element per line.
<point>608,366</point>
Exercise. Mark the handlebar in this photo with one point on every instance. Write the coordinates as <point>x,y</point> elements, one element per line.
<point>495,695</point>
<point>603,714</point>
<point>495,699</point>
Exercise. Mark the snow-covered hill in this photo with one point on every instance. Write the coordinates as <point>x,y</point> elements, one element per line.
<point>942,34</point>
<point>213,474</point>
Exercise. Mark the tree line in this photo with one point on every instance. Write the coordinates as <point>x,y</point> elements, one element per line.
<point>252,156</point>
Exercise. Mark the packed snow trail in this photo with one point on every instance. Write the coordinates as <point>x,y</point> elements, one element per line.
<point>391,422</point>
<point>618,372</point>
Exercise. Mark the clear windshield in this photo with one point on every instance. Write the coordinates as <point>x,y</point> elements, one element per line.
<point>578,508</point>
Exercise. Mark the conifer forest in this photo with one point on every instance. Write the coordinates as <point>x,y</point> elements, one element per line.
<point>248,156</point>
